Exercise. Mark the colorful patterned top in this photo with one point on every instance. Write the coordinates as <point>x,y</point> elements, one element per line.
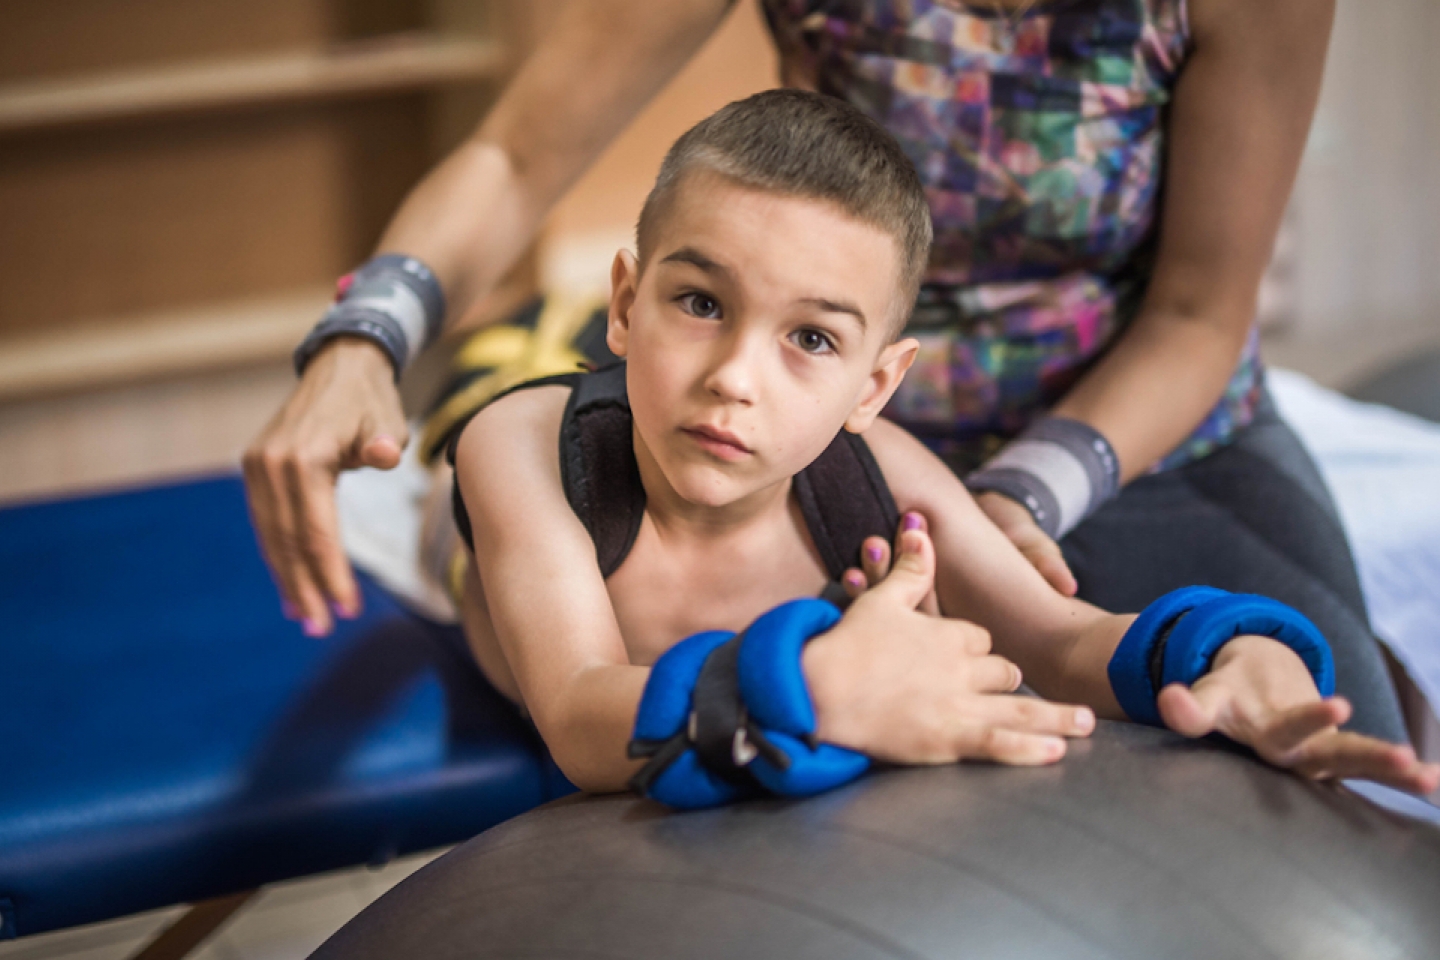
<point>1039,138</point>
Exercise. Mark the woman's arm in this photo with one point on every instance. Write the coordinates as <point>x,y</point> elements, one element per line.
<point>1236,130</point>
<point>1237,126</point>
<point>469,220</point>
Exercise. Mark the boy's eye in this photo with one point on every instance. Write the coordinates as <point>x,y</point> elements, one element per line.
<point>701,305</point>
<point>813,341</point>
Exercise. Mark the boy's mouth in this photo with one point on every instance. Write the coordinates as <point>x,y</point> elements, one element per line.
<point>720,443</point>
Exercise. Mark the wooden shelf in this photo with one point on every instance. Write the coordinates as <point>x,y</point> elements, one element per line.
<point>128,349</point>
<point>395,63</point>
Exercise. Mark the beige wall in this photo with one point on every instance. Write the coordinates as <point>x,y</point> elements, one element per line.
<point>598,215</point>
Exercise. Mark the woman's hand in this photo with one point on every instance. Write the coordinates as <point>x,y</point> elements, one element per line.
<point>345,414</point>
<point>1260,693</point>
<point>903,686</point>
<point>1043,553</point>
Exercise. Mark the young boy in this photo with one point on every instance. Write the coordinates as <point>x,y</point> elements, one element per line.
<point>778,255</point>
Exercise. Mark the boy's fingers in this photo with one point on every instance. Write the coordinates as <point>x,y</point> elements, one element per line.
<point>1008,746</point>
<point>1293,727</point>
<point>1355,756</point>
<point>912,575</point>
<point>992,674</point>
<point>1191,711</point>
<point>1033,715</point>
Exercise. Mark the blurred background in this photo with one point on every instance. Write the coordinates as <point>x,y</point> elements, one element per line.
<point>180,183</point>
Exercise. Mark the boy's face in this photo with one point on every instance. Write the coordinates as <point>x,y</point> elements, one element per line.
<point>760,328</point>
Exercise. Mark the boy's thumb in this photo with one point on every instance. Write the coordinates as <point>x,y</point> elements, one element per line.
<point>912,575</point>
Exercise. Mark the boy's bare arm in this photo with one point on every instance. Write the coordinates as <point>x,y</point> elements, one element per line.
<point>547,599</point>
<point>931,693</point>
<point>1258,692</point>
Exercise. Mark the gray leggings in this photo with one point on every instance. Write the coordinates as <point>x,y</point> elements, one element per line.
<point>1254,517</point>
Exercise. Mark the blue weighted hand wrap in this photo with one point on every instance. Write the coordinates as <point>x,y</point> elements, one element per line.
<point>754,689</point>
<point>664,717</point>
<point>1129,668</point>
<point>773,689</point>
<point>1197,638</point>
<point>1194,623</point>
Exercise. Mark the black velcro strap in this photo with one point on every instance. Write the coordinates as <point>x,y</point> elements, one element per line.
<point>845,499</point>
<point>719,713</point>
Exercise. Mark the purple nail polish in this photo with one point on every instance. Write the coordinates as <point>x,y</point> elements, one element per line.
<point>311,628</point>
<point>874,553</point>
<point>912,521</point>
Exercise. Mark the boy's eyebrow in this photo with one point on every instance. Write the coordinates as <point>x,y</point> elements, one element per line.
<point>837,306</point>
<point>696,259</point>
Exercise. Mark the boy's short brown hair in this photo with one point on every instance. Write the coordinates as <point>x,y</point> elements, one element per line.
<point>800,144</point>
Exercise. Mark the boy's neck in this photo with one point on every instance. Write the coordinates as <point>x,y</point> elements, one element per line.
<point>673,514</point>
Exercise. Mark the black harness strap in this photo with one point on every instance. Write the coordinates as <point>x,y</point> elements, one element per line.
<point>597,465</point>
<point>844,498</point>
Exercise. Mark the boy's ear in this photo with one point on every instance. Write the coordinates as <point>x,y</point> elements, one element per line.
<point>624,286</point>
<point>889,370</point>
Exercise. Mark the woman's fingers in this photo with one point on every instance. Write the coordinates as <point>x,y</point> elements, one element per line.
<point>1015,521</point>
<point>1047,558</point>
<point>318,524</point>
<point>267,487</point>
<point>875,559</point>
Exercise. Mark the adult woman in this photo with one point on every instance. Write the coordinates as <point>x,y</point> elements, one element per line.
<point>1041,131</point>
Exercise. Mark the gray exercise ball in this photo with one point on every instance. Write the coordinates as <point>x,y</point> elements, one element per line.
<point>1139,844</point>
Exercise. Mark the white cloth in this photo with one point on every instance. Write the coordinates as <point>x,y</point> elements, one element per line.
<point>1383,469</point>
<point>381,518</point>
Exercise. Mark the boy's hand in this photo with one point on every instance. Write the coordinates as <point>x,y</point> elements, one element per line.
<point>1259,693</point>
<point>902,686</point>
<point>345,414</point>
<point>1043,553</point>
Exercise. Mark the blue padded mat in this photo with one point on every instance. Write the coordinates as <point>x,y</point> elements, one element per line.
<point>168,737</point>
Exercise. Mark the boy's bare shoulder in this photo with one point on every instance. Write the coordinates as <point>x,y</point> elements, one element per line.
<point>520,414</point>
<point>918,479</point>
<point>517,433</point>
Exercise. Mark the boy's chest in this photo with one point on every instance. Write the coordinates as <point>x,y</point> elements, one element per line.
<point>662,595</point>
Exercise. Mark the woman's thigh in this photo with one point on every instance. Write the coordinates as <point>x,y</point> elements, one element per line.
<point>1254,517</point>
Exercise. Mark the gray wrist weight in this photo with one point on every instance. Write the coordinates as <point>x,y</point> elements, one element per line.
<point>1061,470</point>
<point>394,301</point>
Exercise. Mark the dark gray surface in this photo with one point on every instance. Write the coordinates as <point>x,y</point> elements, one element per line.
<point>1138,845</point>
<point>1412,385</point>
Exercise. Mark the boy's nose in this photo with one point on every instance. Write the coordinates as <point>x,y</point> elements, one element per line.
<point>732,376</point>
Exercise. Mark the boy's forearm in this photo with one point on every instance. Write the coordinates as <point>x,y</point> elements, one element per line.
<point>1081,669</point>
<point>589,724</point>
